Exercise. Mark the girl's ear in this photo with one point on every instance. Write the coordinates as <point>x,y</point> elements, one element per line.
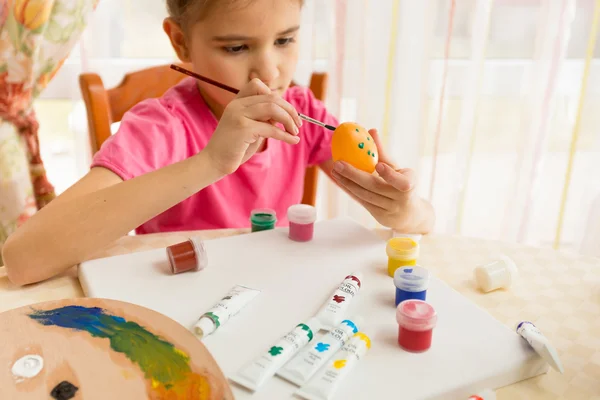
<point>177,38</point>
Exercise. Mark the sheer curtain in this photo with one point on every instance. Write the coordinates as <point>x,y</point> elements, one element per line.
<point>483,98</point>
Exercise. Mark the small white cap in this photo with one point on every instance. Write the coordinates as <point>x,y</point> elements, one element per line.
<point>302,214</point>
<point>204,327</point>
<point>500,273</point>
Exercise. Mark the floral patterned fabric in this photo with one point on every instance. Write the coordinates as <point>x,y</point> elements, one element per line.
<point>36,37</point>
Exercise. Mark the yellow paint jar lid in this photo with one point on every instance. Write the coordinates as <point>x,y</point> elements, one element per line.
<point>402,248</point>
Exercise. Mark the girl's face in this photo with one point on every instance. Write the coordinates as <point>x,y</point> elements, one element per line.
<point>233,45</point>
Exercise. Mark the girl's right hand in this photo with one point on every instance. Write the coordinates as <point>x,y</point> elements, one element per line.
<point>246,122</point>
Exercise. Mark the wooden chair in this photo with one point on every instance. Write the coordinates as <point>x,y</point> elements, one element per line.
<point>106,106</point>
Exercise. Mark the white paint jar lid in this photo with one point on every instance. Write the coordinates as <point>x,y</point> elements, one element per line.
<point>302,214</point>
<point>412,279</point>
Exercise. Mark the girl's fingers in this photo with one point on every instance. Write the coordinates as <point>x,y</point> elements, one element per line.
<point>272,98</point>
<point>265,112</point>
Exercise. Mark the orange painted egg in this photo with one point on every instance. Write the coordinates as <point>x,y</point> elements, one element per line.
<point>353,144</point>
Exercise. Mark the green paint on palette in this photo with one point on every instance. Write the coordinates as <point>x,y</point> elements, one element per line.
<point>361,145</point>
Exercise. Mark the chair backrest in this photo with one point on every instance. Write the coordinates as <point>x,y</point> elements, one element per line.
<point>107,106</point>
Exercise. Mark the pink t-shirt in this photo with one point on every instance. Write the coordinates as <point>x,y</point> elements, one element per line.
<point>159,132</point>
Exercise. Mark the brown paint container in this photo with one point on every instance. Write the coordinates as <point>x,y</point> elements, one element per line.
<point>187,256</point>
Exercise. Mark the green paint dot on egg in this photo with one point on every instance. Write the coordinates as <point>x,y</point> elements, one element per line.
<point>361,145</point>
<point>369,152</point>
<point>368,138</point>
<point>357,130</point>
<point>373,154</point>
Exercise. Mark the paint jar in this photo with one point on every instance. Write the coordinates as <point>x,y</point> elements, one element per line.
<point>302,222</point>
<point>411,283</point>
<point>401,251</point>
<point>500,273</point>
<point>416,320</point>
<point>263,219</point>
<point>187,256</point>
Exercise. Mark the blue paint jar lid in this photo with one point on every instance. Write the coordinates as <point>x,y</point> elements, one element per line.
<point>411,278</point>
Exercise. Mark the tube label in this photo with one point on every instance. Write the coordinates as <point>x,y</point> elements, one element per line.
<point>264,367</point>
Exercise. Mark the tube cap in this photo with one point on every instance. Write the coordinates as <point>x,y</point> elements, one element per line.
<point>204,327</point>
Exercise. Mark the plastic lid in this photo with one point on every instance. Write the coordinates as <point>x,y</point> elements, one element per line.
<point>411,279</point>
<point>501,272</point>
<point>416,315</point>
<point>302,214</point>
<point>263,216</point>
<point>414,236</point>
<point>358,275</point>
<point>513,271</point>
<point>402,247</point>
<point>204,327</point>
<point>201,256</point>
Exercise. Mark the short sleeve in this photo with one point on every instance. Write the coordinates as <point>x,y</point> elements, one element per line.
<point>143,143</point>
<point>316,139</point>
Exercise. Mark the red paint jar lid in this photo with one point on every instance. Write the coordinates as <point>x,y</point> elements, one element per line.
<point>416,315</point>
<point>187,256</point>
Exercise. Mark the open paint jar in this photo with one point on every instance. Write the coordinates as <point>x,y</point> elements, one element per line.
<point>500,273</point>
<point>416,320</point>
<point>401,251</point>
<point>187,256</point>
<point>263,219</point>
<point>411,283</point>
<point>301,219</point>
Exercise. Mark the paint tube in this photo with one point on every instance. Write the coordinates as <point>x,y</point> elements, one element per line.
<point>540,344</point>
<point>325,383</point>
<point>307,362</point>
<point>236,299</point>
<point>334,310</point>
<point>257,372</point>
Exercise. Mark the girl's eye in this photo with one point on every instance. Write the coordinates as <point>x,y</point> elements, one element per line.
<point>284,41</point>
<point>235,49</point>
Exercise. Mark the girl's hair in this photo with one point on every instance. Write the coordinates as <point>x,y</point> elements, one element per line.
<point>185,12</point>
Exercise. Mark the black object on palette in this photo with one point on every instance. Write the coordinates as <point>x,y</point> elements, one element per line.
<point>64,391</point>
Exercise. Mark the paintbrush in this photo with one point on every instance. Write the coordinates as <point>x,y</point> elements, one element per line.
<point>236,91</point>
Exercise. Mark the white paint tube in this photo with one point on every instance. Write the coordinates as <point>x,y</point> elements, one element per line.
<point>257,372</point>
<point>326,382</point>
<point>236,299</point>
<point>335,309</point>
<point>307,362</point>
<point>540,344</point>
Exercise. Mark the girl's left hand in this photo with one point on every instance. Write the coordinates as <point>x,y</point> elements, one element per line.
<point>388,197</point>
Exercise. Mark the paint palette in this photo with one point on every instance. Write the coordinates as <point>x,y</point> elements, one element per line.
<point>470,351</point>
<point>91,348</point>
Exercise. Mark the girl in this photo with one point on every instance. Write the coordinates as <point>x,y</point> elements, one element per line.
<point>200,158</point>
